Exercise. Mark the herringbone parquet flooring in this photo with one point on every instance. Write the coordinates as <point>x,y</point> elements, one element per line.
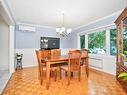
<point>25,82</point>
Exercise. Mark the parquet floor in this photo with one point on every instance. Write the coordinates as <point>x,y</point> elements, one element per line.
<point>25,82</point>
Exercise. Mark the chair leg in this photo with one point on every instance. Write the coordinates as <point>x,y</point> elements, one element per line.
<point>69,73</point>
<point>65,74</point>
<point>79,75</point>
<point>55,74</point>
<point>41,75</point>
<point>60,72</point>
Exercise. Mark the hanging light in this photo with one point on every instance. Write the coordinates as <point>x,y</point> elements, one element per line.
<point>62,31</point>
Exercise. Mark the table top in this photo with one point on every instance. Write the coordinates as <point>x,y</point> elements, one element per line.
<point>58,58</point>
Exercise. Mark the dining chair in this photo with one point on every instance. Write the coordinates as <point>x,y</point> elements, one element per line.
<point>42,66</point>
<point>84,53</point>
<point>56,53</point>
<point>73,64</point>
<point>84,62</point>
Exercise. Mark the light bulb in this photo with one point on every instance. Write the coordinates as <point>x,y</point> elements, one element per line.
<point>41,40</point>
<point>60,31</point>
<point>63,29</point>
<point>57,29</point>
<point>69,31</point>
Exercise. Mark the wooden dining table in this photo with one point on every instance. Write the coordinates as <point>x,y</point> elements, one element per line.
<point>59,60</point>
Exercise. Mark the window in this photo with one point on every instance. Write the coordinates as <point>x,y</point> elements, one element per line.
<point>113,41</point>
<point>97,42</point>
<point>82,41</point>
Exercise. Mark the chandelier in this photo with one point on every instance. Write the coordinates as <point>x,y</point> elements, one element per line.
<point>62,31</point>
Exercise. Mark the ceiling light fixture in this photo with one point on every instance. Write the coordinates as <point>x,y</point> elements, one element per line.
<point>62,31</point>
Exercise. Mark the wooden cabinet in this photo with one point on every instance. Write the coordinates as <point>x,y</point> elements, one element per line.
<point>121,57</point>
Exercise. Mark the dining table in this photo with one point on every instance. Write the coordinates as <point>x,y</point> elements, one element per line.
<point>58,60</point>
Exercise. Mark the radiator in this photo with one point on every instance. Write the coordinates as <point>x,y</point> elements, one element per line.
<point>96,62</point>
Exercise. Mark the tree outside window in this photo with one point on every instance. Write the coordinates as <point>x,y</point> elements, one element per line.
<point>97,42</point>
<point>82,41</point>
<point>113,41</point>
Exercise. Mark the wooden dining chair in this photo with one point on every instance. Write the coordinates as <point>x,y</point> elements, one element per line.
<point>42,66</point>
<point>84,62</point>
<point>39,55</point>
<point>84,53</point>
<point>56,53</point>
<point>73,64</point>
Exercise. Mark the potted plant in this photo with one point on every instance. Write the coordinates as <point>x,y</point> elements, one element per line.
<point>123,76</point>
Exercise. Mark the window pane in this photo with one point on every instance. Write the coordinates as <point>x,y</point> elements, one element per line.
<point>82,41</point>
<point>113,41</point>
<point>125,42</point>
<point>97,42</point>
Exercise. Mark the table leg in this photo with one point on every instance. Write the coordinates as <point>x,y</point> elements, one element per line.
<point>47,74</point>
<point>41,74</point>
<point>87,66</point>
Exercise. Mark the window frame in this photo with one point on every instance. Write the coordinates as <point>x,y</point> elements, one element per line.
<point>80,42</point>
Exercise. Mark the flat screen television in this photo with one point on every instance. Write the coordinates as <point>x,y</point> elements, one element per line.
<point>49,43</point>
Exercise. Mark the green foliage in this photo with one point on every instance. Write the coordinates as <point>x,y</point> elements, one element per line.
<point>82,41</point>
<point>123,76</point>
<point>125,52</point>
<point>97,40</point>
<point>113,41</point>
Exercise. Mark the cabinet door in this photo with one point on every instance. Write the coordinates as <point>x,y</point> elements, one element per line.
<point>125,41</point>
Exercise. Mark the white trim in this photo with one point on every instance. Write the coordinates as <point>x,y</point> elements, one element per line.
<point>96,29</point>
<point>108,41</point>
<point>116,13</point>
<point>8,3</point>
<point>35,25</point>
<point>86,41</point>
<point>78,40</point>
<point>6,13</point>
<point>101,70</point>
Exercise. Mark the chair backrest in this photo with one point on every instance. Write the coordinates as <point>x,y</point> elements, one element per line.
<point>74,60</point>
<point>46,54</point>
<point>55,52</point>
<point>85,52</point>
<point>39,55</point>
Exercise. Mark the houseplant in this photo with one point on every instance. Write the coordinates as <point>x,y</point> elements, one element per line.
<point>123,76</point>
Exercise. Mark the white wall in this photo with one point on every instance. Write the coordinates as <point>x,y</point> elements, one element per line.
<point>4,45</point>
<point>28,42</point>
<point>103,63</point>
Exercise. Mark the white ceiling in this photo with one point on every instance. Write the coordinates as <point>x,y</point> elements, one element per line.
<point>77,12</point>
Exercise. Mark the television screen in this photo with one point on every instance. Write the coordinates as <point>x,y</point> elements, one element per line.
<point>49,43</point>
